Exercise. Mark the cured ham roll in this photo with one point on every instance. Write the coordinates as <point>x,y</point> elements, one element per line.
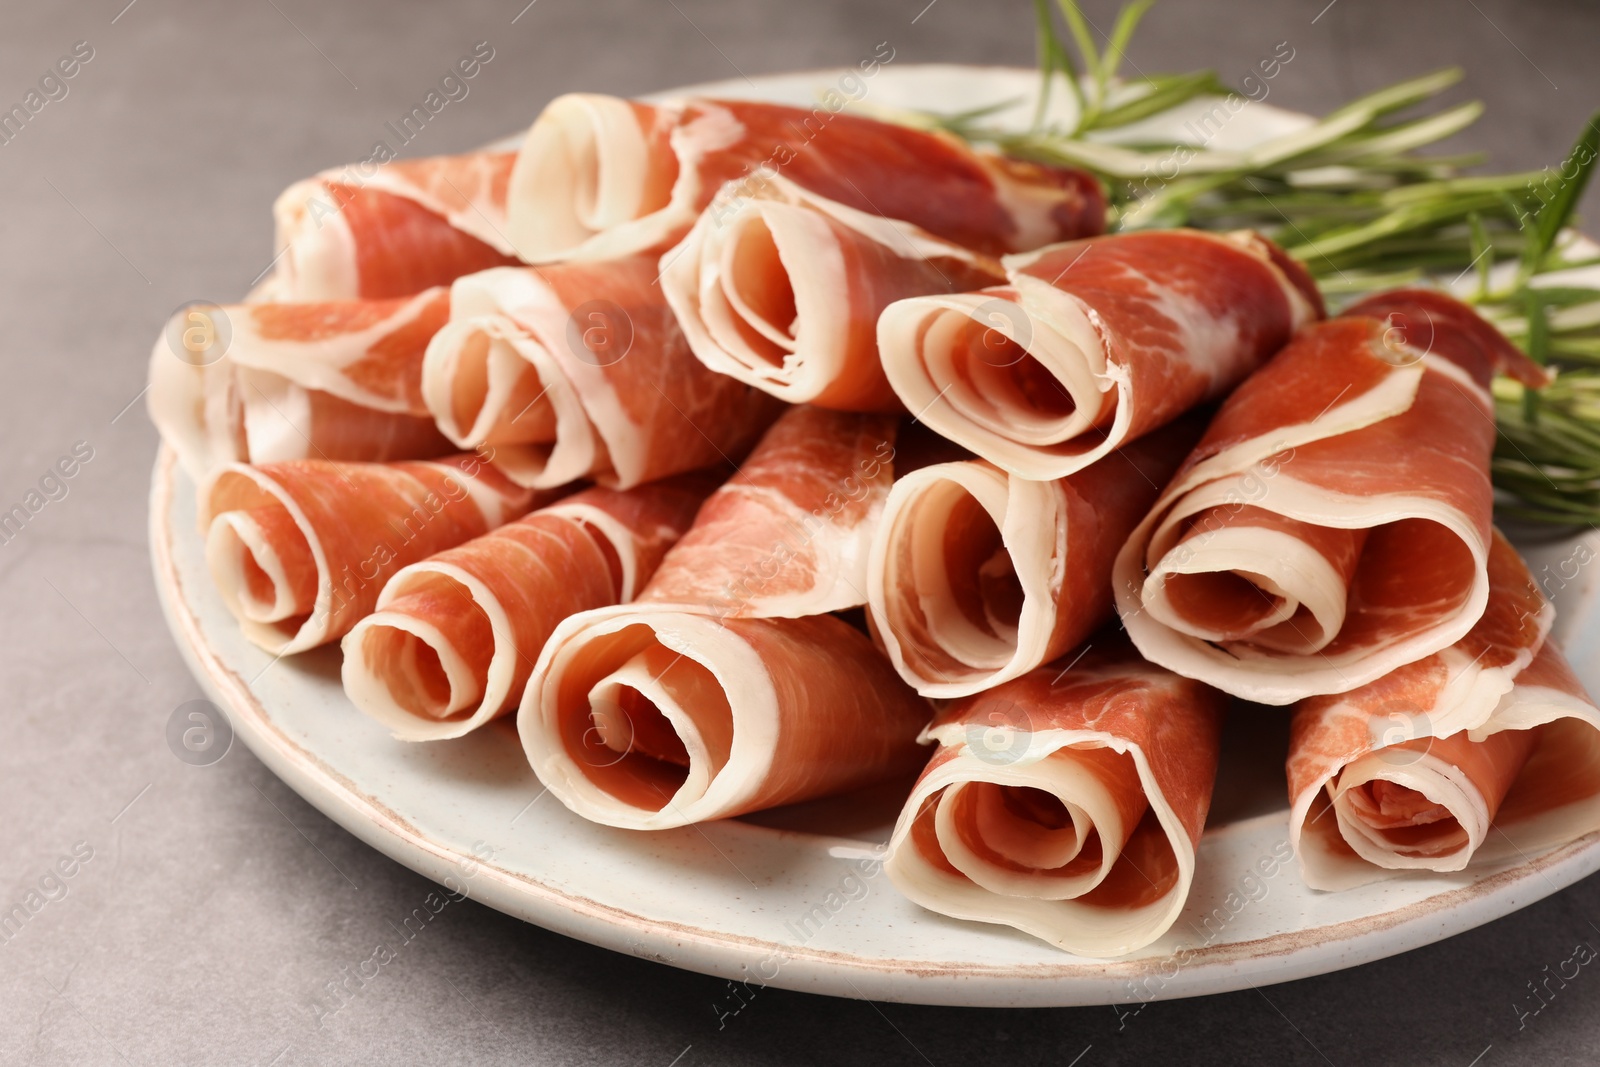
<point>783,288</point>
<point>372,232</point>
<point>599,177</point>
<point>300,550</point>
<point>579,370</point>
<point>788,534</point>
<point>648,717</point>
<point>454,637</point>
<point>268,382</point>
<point>1479,754</point>
<point>1065,803</point>
<point>1334,522</point>
<point>976,576</point>
<point>1089,345</point>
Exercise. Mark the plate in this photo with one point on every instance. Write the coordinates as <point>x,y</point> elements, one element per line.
<point>796,898</point>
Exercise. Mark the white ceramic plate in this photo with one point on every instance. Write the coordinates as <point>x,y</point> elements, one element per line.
<point>792,899</point>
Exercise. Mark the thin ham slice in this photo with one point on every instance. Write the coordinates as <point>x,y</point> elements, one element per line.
<point>1334,523</point>
<point>579,370</point>
<point>976,576</point>
<point>783,288</point>
<point>788,534</point>
<point>1091,344</point>
<point>599,177</point>
<point>300,550</point>
<point>649,717</point>
<point>1066,803</point>
<point>338,380</point>
<point>1478,754</point>
<point>454,637</point>
<point>374,232</point>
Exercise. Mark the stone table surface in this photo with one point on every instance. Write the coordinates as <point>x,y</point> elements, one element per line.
<point>208,913</point>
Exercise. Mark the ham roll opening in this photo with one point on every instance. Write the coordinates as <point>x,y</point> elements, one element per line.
<point>977,576</point>
<point>593,176</point>
<point>300,550</point>
<point>454,637</point>
<point>1089,345</point>
<point>782,289</point>
<point>1526,779</point>
<point>1065,803</point>
<point>579,370</point>
<point>490,382</point>
<point>1461,758</point>
<point>600,177</point>
<point>373,232</point>
<point>1334,523</point>
<point>647,717</point>
<point>335,380</point>
<point>1427,804</point>
<point>788,534</point>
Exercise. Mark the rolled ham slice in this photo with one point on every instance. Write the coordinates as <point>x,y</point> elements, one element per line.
<point>788,534</point>
<point>1091,344</point>
<point>649,717</point>
<point>1334,523</point>
<point>783,288</point>
<point>337,380</point>
<point>1066,803</point>
<point>366,231</point>
<point>1476,755</point>
<point>454,637</point>
<point>579,370</point>
<point>599,177</point>
<point>300,550</point>
<point>976,576</point>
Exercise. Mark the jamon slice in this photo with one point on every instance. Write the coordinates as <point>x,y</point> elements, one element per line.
<point>648,717</point>
<point>1092,344</point>
<point>579,370</point>
<point>1462,758</point>
<point>788,534</point>
<point>376,232</point>
<point>454,637</point>
<point>782,289</point>
<point>1065,803</point>
<point>1334,523</point>
<point>338,380</point>
<point>300,550</point>
<point>976,577</point>
<point>599,176</point>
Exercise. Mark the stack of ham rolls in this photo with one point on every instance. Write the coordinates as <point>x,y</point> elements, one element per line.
<point>746,455</point>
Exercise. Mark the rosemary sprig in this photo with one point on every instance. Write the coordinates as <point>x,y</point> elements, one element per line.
<point>1171,182</point>
<point>1558,213</point>
<point>1101,102</point>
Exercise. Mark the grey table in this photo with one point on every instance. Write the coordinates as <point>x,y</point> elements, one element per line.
<point>214,905</point>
